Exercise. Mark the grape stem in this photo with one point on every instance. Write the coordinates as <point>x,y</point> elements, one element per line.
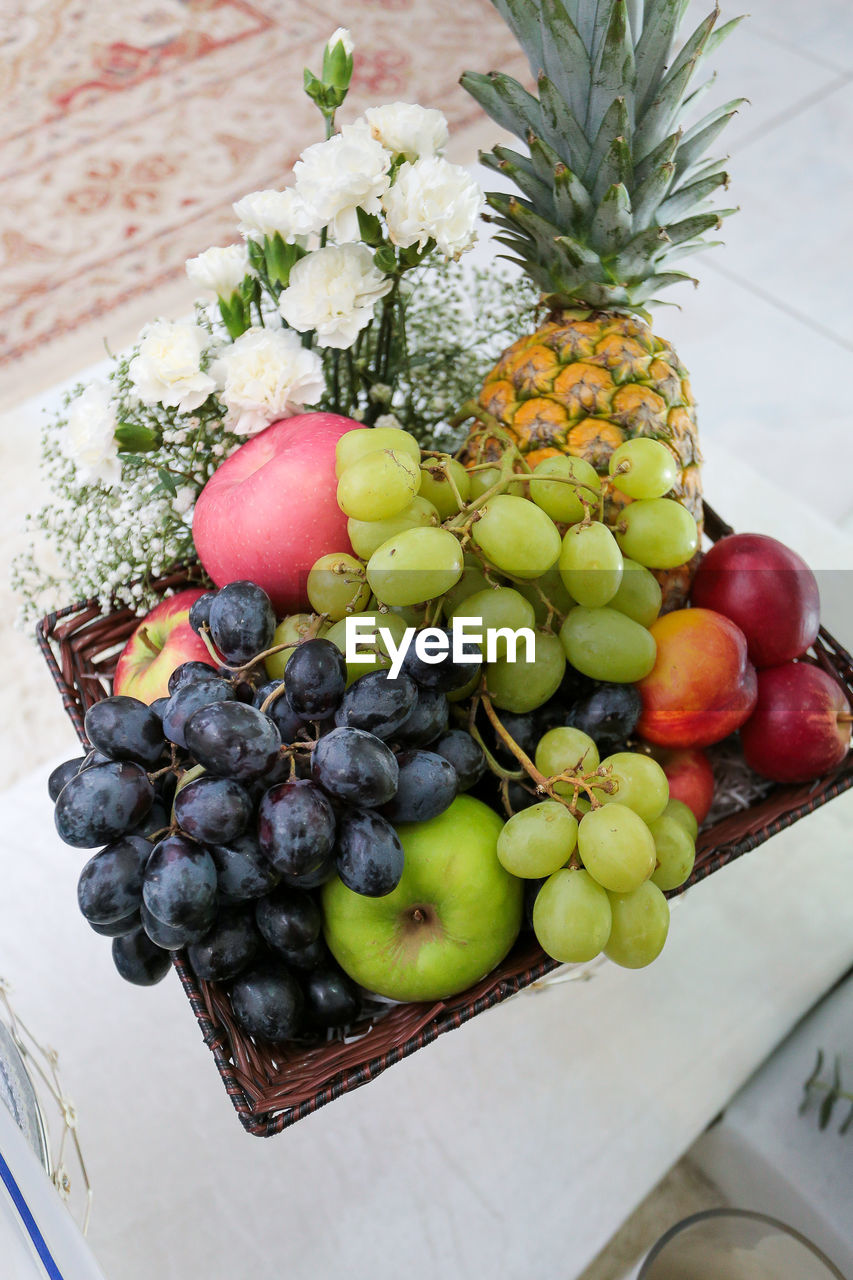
<point>243,670</point>
<point>588,782</point>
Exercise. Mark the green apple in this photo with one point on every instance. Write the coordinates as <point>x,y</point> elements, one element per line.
<point>454,915</point>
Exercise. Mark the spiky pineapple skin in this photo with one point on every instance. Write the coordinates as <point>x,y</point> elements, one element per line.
<point>584,385</point>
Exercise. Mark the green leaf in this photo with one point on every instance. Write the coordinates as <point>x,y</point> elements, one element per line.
<point>662,154</point>
<point>614,125</point>
<point>696,226</point>
<point>613,75</point>
<point>167,482</point>
<point>505,161</point>
<point>572,205</point>
<point>561,128</point>
<point>634,261</point>
<point>615,168</point>
<point>519,16</point>
<point>611,226</point>
<point>650,195</point>
<point>369,228</point>
<point>503,98</point>
<point>565,59</point>
<point>135,437</point>
<point>690,197</point>
<point>646,291</point>
<point>690,150</point>
<point>661,21</point>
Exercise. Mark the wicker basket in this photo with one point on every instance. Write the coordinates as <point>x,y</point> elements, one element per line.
<point>272,1088</point>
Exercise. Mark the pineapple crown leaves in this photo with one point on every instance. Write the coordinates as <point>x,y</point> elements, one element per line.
<point>613,186</point>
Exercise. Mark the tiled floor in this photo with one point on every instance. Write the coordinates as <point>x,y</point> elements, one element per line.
<point>768,336</point>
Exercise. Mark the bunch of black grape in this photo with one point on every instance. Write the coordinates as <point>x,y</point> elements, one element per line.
<point>224,808</point>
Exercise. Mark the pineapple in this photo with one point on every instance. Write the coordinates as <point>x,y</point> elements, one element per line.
<point>613,190</point>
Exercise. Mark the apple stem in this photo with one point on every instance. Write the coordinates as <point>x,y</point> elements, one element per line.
<point>147,641</point>
<point>845,717</point>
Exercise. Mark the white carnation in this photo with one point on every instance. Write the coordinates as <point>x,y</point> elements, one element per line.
<point>220,271</point>
<point>168,369</point>
<point>263,213</point>
<point>347,172</point>
<point>433,199</point>
<point>407,129</point>
<point>89,437</point>
<point>265,375</point>
<point>333,291</point>
<point>341,36</point>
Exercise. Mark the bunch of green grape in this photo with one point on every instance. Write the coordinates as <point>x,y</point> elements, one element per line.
<point>606,858</point>
<point>511,548</point>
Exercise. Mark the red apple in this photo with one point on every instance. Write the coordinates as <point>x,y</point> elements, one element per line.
<point>702,686</point>
<point>271,509</point>
<point>162,641</point>
<point>767,589</point>
<point>800,728</point>
<point>690,777</point>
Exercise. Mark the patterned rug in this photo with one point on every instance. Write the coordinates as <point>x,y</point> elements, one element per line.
<point>129,129</point>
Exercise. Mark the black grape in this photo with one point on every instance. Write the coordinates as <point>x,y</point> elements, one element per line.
<point>355,767</point>
<point>226,949</point>
<point>179,886</point>
<point>242,622</point>
<point>233,740</point>
<point>464,754</point>
<point>102,803</point>
<point>139,960</point>
<point>110,884</point>
<point>242,870</point>
<point>316,677</point>
<point>289,918</point>
<point>426,786</point>
<point>125,729</point>
<point>213,809</point>
<point>427,720</point>
<point>63,773</point>
<point>377,703</point>
<point>268,1002</point>
<point>188,700</point>
<point>369,854</point>
<point>296,829</point>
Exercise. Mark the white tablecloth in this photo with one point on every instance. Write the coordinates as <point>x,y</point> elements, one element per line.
<point>512,1148</point>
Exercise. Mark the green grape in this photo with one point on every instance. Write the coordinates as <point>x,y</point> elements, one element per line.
<point>379,485</point>
<point>606,645</point>
<point>473,580</point>
<point>642,784</point>
<point>523,686</point>
<point>483,480</point>
<point>416,565</point>
<point>684,814</point>
<point>675,850</point>
<point>516,536</point>
<point>643,468</point>
<point>559,498</point>
<point>436,487</point>
<point>565,748</point>
<point>639,595</point>
<point>658,532</point>
<point>369,638</point>
<point>367,536</point>
<point>550,588</point>
<point>337,585</point>
<point>590,564</point>
<point>356,444</point>
<point>640,923</point>
<point>493,609</point>
<point>538,840</point>
<point>616,847</point>
<point>571,916</point>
